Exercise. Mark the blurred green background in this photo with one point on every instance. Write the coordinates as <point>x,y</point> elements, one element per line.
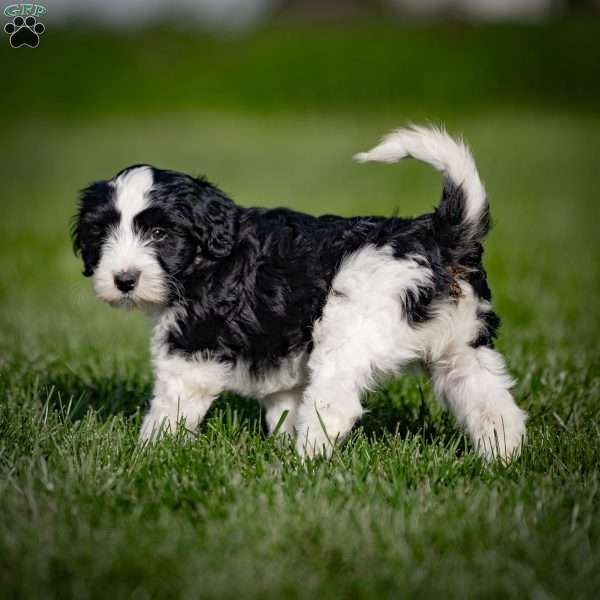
<point>273,115</point>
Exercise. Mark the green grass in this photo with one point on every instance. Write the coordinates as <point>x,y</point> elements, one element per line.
<point>405,508</point>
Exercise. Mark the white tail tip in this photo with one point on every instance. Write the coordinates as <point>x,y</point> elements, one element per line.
<point>444,153</point>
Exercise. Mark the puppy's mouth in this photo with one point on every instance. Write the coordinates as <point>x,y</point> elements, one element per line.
<point>126,301</point>
<point>131,301</point>
<point>146,294</point>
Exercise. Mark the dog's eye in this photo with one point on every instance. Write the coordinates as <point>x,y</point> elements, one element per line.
<point>157,234</point>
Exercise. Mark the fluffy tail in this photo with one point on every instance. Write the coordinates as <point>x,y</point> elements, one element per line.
<point>462,217</point>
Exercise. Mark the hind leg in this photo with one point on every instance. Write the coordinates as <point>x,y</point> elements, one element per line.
<point>474,384</point>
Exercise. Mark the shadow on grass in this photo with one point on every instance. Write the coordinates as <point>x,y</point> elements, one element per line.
<point>117,395</point>
<point>401,407</point>
<point>106,396</point>
<point>409,413</point>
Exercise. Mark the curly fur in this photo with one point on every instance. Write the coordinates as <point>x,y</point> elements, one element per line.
<point>305,312</point>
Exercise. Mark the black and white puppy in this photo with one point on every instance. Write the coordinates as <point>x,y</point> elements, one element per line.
<point>305,313</point>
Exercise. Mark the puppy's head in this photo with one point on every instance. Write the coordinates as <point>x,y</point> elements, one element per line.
<point>142,233</point>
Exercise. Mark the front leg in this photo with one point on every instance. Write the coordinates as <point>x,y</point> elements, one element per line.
<point>276,405</point>
<point>184,390</point>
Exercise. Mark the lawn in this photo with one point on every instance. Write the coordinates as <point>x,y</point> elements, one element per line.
<point>405,508</point>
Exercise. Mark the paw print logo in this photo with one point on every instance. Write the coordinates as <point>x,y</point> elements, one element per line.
<point>24,32</point>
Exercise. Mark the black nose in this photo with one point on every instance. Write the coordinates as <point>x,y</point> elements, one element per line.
<point>126,280</point>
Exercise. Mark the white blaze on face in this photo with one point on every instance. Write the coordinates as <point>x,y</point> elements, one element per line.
<point>125,249</point>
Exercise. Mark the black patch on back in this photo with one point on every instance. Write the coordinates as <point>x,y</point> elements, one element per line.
<point>251,282</point>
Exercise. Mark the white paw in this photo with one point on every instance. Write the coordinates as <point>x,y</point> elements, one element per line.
<point>281,424</point>
<point>155,426</point>
<point>312,442</point>
<point>500,435</point>
<point>312,449</point>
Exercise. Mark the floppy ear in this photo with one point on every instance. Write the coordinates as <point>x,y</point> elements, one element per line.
<point>82,238</point>
<point>79,247</point>
<point>216,218</point>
